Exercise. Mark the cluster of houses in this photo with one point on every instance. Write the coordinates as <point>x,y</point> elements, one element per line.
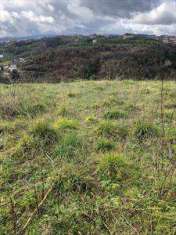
<point>8,70</point>
<point>162,38</point>
<point>169,40</point>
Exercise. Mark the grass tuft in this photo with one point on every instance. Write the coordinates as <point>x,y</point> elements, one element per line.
<point>66,124</point>
<point>70,147</point>
<point>43,132</point>
<point>105,145</point>
<point>143,131</point>
<point>114,114</point>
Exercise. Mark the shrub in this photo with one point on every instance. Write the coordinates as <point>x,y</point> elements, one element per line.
<point>115,115</point>
<point>144,131</point>
<point>66,124</point>
<point>104,145</point>
<point>89,70</point>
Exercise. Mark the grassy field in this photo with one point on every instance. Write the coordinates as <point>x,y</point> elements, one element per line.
<point>88,158</point>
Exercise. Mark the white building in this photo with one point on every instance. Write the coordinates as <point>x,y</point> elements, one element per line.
<point>12,67</point>
<point>1,56</point>
<point>94,41</point>
<point>21,60</point>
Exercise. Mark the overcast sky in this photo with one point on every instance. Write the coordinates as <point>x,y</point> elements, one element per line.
<point>34,17</point>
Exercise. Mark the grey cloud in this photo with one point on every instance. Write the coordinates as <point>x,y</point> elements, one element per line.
<point>24,17</point>
<point>120,8</point>
<point>164,14</point>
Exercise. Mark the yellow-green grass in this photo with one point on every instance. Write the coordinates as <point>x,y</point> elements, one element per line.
<point>103,148</point>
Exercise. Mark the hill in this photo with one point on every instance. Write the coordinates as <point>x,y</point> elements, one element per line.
<point>92,57</point>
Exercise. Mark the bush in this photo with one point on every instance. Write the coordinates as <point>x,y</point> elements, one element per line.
<point>90,69</point>
<point>144,131</point>
<point>105,145</point>
<point>115,115</point>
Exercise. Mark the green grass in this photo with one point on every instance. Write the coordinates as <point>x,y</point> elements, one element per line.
<point>99,146</point>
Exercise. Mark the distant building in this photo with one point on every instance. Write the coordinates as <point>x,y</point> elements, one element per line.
<point>93,36</point>
<point>12,67</point>
<point>1,56</point>
<point>128,36</point>
<point>21,60</point>
<point>94,41</point>
<point>169,40</point>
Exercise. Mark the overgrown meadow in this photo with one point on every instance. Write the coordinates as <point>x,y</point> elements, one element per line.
<point>95,157</point>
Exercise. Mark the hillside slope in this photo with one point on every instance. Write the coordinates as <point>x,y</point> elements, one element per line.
<point>103,62</point>
<point>69,58</point>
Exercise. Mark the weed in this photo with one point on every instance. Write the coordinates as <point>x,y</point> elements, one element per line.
<point>25,148</point>
<point>113,167</point>
<point>66,124</point>
<point>64,112</point>
<point>115,115</point>
<point>43,132</point>
<point>107,129</point>
<point>91,119</point>
<point>72,95</point>
<point>118,169</point>
<point>105,145</point>
<point>70,147</point>
<point>145,130</point>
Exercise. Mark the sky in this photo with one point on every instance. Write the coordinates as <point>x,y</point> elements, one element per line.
<point>54,17</point>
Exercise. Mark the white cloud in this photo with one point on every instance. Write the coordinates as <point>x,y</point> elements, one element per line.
<point>165,14</point>
<point>26,17</point>
<point>5,16</point>
<point>37,19</point>
<point>75,7</point>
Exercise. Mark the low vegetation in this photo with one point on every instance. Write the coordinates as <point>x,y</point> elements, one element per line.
<point>66,58</point>
<point>88,157</point>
